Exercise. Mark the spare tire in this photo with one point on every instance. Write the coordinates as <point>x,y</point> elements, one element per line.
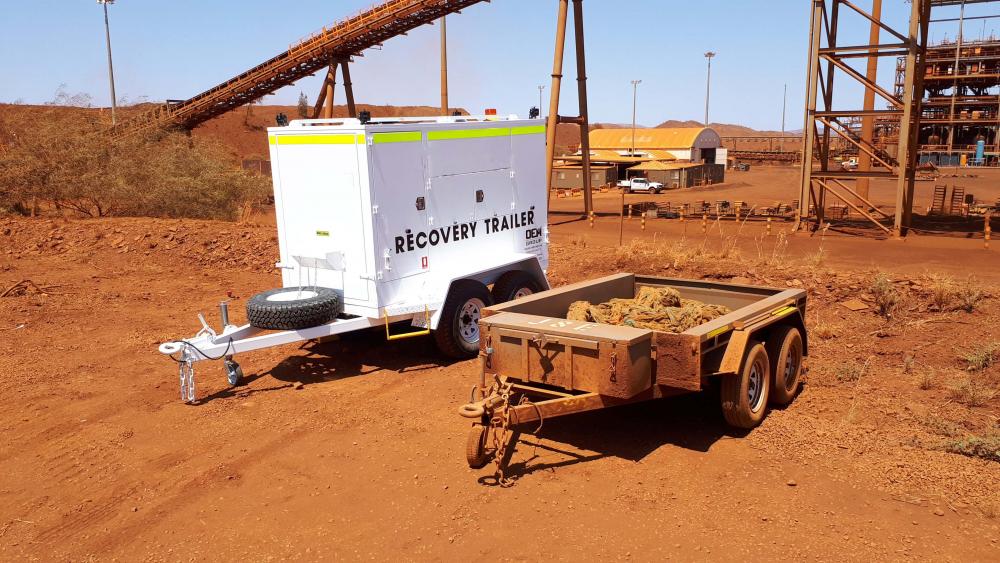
<point>292,308</point>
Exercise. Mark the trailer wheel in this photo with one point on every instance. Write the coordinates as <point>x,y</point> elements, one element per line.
<point>292,308</point>
<point>515,284</point>
<point>786,350</point>
<point>475,446</point>
<point>234,373</point>
<point>744,395</point>
<point>457,334</point>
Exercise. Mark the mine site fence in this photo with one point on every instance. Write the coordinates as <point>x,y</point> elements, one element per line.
<point>704,211</point>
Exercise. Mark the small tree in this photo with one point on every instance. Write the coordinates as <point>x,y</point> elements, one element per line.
<point>303,105</point>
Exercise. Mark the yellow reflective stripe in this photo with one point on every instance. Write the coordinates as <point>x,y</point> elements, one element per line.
<point>319,139</point>
<point>527,130</point>
<point>783,310</point>
<point>271,139</point>
<point>467,133</point>
<point>718,331</point>
<point>403,137</point>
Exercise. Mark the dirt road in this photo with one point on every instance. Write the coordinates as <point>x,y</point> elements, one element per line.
<point>364,459</point>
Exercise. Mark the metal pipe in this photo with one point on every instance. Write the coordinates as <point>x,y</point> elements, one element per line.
<point>708,84</point>
<point>901,223</point>
<point>553,117</point>
<point>444,65</point>
<point>581,85</point>
<point>784,106</point>
<point>809,125</point>
<point>224,314</point>
<point>635,88</point>
<point>352,109</point>
<point>111,67</point>
<point>868,122</point>
<point>331,82</point>
<point>954,87</point>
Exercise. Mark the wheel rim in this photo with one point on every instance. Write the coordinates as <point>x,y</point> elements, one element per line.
<point>468,320</point>
<point>523,292</point>
<point>792,365</point>
<point>292,295</point>
<point>755,386</point>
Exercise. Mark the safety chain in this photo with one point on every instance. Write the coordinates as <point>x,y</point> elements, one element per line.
<point>185,369</point>
<point>614,366</point>
<point>501,422</point>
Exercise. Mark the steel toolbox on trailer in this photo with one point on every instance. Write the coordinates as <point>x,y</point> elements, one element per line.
<point>389,220</point>
<point>536,364</point>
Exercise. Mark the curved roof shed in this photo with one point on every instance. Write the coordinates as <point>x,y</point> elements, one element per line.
<point>680,138</point>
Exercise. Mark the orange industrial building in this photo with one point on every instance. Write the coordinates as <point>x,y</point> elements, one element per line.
<point>676,157</point>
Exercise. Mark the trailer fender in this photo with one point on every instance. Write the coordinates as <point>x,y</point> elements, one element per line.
<point>735,350</point>
<point>488,276</point>
<point>740,339</point>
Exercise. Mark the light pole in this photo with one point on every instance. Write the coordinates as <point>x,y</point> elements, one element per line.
<point>708,84</point>
<point>540,88</point>
<point>784,105</point>
<point>111,68</point>
<point>635,93</point>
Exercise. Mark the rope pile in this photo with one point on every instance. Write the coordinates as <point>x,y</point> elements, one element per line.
<point>654,308</point>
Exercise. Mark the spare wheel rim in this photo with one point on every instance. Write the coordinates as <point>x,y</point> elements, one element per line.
<point>468,320</point>
<point>523,292</point>
<point>292,295</point>
<point>755,386</point>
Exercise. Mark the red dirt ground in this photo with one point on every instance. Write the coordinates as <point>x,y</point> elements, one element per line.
<point>100,459</point>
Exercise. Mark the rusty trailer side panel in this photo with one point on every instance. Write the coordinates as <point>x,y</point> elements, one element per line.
<point>530,339</point>
<point>571,354</point>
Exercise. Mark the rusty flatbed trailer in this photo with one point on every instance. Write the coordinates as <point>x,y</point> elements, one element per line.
<point>536,364</point>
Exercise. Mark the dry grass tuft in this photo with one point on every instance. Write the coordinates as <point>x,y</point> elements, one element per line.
<point>849,372</point>
<point>972,391</point>
<point>981,356</point>
<point>823,330</point>
<point>927,379</point>
<point>983,447</point>
<point>887,298</point>
<point>943,292</point>
<point>969,295</point>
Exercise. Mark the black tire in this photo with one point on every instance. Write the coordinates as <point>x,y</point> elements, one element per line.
<point>292,308</point>
<point>457,334</point>
<point>475,446</point>
<point>514,285</point>
<point>785,350</point>
<point>744,395</point>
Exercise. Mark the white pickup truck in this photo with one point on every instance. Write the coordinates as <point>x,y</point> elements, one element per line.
<point>641,185</point>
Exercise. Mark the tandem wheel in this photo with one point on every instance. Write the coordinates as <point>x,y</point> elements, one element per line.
<point>234,373</point>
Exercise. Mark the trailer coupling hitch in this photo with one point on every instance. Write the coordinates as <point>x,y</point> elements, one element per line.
<point>476,409</point>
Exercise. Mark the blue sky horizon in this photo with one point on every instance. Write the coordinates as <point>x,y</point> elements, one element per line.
<point>499,53</point>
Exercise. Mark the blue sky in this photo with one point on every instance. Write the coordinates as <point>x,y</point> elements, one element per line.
<point>499,53</point>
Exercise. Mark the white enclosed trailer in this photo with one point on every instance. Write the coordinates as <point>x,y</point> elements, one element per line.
<point>402,219</point>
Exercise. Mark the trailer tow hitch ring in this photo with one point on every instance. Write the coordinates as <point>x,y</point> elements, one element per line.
<point>472,410</point>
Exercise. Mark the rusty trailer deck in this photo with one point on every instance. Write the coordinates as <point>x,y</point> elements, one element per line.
<point>536,364</point>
